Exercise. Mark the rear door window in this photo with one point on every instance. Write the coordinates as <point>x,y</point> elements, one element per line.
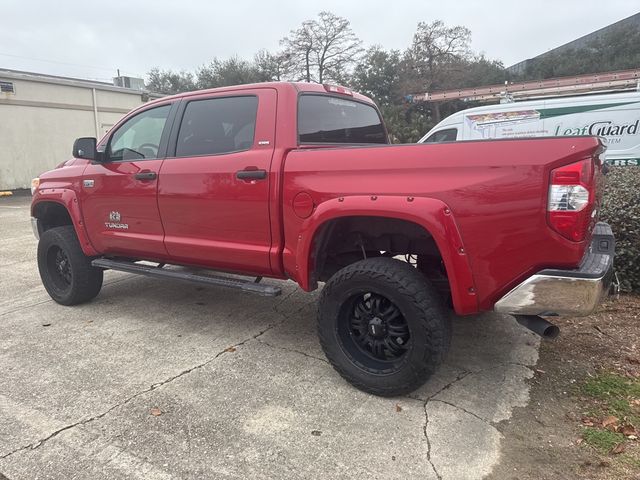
<point>217,125</point>
<point>448,135</point>
<point>329,119</point>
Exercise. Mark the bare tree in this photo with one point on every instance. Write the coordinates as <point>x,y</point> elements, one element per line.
<point>437,54</point>
<point>437,50</point>
<point>298,48</point>
<point>321,49</point>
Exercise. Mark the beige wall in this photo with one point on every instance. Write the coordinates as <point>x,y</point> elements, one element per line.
<point>39,123</point>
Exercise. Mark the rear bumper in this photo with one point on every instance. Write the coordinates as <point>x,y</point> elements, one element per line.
<point>567,292</point>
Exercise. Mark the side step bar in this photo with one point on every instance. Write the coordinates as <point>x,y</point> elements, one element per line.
<point>131,267</point>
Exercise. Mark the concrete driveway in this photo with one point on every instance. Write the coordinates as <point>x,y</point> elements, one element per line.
<point>163,380</point>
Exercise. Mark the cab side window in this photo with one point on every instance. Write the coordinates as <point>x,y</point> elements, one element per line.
<point>217,125</point>
<point>448,135</point>
<point>139,137</point>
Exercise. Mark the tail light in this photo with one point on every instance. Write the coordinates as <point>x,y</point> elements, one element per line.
<point>572,199</point>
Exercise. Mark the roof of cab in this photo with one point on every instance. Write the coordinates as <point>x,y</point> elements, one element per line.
<point>298,86</point>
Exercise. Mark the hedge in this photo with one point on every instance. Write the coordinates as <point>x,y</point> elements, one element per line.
<point>621,209</point>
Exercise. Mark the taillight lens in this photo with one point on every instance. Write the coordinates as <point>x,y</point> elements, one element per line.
<point>568,198</point>
<point>572,199</point>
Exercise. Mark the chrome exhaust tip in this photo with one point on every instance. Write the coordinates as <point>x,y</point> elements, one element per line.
<point>539,326</point>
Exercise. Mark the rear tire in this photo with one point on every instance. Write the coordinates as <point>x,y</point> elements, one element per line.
<point>66,272</point>
<point>382,326</point>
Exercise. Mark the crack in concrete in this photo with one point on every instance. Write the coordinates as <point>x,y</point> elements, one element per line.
<point>493,367</point>
<point>426,401</point>
<point>464,373</point>
<point>431,398</point>
<point>291,350</point>
<point>426,436</point>
<point>289,317</point>
<point>484,420</point>
<point>283,300</point>
<point>34,445</point>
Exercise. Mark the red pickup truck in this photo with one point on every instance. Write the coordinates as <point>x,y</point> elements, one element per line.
<point>298,181</point>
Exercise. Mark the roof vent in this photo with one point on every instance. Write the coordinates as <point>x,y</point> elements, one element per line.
<point>129,82</point>
<point>7,87</point>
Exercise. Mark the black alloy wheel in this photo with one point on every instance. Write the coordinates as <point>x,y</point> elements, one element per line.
<point>59,267</point>
<point>377,335</point>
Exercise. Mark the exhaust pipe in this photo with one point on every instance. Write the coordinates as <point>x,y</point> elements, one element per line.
<point>538,325</point>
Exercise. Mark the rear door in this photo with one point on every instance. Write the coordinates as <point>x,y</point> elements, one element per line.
<point>214,185</point>
<point>119,194</point>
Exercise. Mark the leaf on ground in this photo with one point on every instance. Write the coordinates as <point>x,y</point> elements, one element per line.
<point>619,448</point>
<point>155,411</point>
<point>398,407</point>
<point>587,421</point>
<point>610,421</point>
<point>230,349</point>
<point>628,430</point>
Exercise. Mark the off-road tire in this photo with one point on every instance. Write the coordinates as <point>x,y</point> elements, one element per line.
<point>81,282</point>
<point>415,298</point>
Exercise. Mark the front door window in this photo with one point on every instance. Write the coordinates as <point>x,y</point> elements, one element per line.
<point>139,137</point>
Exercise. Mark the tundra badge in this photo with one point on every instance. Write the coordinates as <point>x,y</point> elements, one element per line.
<point>114,221</point>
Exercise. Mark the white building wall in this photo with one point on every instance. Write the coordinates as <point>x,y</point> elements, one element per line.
<point>39,123</point>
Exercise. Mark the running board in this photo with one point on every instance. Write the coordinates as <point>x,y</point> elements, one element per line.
<point>148,270</point>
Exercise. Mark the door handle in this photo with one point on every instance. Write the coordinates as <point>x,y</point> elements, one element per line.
<point>251,174</point>
<point>146,176</point>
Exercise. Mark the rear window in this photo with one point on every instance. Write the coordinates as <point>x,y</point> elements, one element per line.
<point>328,119</point>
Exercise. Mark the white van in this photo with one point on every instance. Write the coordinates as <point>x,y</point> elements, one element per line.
<point>614,116</point>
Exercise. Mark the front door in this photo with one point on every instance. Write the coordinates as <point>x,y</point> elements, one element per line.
<point>214,184</point>
<point>119,193</point>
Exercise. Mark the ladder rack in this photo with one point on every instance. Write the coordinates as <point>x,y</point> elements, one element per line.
<point>551,87</point>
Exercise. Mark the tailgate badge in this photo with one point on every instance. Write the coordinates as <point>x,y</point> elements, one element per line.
<point>88,183</point>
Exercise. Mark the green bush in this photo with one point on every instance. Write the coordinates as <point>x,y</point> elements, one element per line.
<point>621,209</point>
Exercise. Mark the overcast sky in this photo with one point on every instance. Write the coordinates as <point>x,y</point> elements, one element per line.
<point>90,39</point>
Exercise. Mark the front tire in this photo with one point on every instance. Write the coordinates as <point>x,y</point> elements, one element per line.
<point>66,272</point>
<point>382,326</point>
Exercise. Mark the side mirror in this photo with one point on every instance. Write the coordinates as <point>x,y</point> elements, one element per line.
<point>85,147</point>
